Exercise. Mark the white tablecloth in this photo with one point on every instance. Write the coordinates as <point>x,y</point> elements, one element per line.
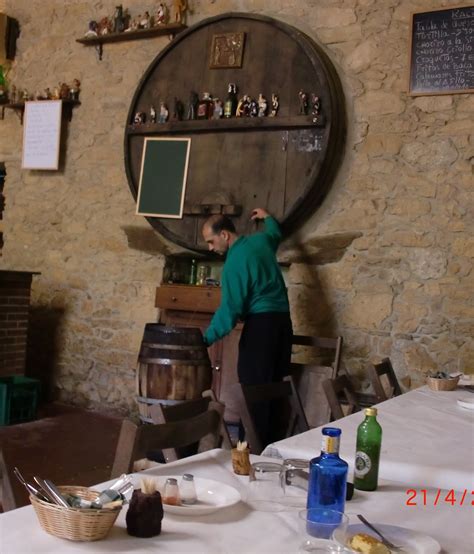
<point>238,529</point>
<point>428,440</point>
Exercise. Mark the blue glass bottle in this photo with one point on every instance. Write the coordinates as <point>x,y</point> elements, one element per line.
<point>328,475</point>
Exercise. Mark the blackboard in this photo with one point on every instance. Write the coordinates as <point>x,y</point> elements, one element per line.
<point>442,51</point>
<point>163,175</point>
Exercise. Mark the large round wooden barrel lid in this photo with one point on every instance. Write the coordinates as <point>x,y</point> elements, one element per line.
<point>284,163</point>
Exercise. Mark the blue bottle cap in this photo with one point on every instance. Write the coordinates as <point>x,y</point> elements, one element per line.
<point>331,431</point>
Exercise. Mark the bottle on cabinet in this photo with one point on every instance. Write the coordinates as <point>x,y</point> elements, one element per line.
<point>230,105</point>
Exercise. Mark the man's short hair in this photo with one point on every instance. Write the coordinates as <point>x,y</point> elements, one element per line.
<point>219,223</point>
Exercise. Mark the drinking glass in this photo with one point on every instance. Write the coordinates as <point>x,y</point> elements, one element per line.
<point>294,481</point>
<point>265,492</point>
<point>319,525</point>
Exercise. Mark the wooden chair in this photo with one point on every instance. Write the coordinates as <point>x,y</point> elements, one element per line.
<point>185,410</point>
<point>318,359</point>
<point>13,494</point>
<point>335,389</point>
<point>376,372</point>
<point>135,441</point>
<point>252,395</point>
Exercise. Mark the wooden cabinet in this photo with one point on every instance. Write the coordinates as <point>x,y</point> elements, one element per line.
<point>193,306</point>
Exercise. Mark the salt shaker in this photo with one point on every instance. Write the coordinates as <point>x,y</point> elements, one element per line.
<point>171,492</point>
<point>188,490</point>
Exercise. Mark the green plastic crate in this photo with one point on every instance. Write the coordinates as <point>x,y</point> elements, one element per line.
<point>18,399</point>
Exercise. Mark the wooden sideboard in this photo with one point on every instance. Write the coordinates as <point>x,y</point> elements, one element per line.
<point>194,306</point>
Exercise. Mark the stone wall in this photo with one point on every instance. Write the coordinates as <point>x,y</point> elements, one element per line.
<point>401,285</point>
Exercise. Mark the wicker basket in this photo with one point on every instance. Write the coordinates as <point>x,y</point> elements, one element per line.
<point>442,384</point>
<point>72,523</point>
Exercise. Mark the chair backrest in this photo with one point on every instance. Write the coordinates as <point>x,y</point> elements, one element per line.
<point>251,395</point>
<point>320,359</point>
<point>164,413</point>
<point>135,441</point>
<point>14,495</point>
<point>337,389</point>
<point>376,372</point>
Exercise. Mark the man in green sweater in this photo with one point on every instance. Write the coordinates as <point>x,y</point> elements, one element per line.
<point>254,291</point>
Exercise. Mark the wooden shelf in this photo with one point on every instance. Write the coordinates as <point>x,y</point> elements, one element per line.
<point>171,29</point>
<point>232,124</point>
<point>19,107</point>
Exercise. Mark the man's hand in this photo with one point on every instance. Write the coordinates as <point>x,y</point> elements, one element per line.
<point>259,213</point>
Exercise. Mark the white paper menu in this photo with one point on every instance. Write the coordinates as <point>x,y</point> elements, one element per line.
<point>41,134</point>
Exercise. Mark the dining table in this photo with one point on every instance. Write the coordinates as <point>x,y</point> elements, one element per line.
<point>427,440</point>
<point>239,528</point>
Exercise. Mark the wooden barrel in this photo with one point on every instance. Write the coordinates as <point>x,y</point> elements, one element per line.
<point>173,366</point>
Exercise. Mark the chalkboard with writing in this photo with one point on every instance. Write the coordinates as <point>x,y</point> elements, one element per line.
<point>442,51</point>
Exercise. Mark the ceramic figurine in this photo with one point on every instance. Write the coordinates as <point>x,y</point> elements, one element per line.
<point>55,95</point>
<point>178,109</point>
<point>315,107</point>
<point>152,114</point>
<point>47,94</point>
<point>303,96</point>
<point>275,105</point>
<point>119,22</point>
<point>253,108</point>
<point>243,106</point>
<point>64,91</point>
<point>93,27</point>
<point>164,113</point>
<point>75,90</point>
<point>218,109</point>
<point>145,21</point>
<point>161,16</point>
<point>140,117</point>
<point>193,104</point>
<point>262,105</point>
<point>180,8</point>
<point>25,95</point>
<point>105,26</point>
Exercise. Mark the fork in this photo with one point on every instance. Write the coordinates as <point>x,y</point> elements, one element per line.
<point>385,541</point>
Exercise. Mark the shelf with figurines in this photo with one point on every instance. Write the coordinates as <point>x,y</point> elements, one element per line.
<point>123,27</point>
<point>212,115</point>
<point>69,94</point>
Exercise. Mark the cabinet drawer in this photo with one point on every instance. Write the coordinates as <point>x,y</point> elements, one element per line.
<point>191,298</point>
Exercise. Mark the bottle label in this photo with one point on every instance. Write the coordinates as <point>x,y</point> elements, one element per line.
<point>363,464</point>
<point>330,445</point>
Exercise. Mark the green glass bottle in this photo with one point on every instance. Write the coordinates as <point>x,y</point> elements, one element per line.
<point>193,272</point>
<point>369,441</point>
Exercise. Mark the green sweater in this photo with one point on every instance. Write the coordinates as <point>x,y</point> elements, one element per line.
<point>252,282</point>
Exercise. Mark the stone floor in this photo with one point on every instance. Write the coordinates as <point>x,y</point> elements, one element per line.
<point>67,445</point>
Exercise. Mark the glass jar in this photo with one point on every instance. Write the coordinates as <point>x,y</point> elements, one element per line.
<point>202,274</point>
<point>187,490</point>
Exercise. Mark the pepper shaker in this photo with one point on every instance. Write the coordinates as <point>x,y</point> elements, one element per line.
<point>171,492</point>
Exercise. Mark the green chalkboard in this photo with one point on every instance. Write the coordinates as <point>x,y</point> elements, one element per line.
<point>163,176</point>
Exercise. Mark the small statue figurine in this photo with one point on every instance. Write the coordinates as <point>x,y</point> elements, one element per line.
<point>161,16</point>
<point>119,22</point>
<point>315,107</point>
<point>303,102</point>
<point>164,113</point>
<point>25,95</point>
<point>218,109</point>
<point>180,8</point>
<point>243,106</point>
<point>105,26</point>
<point>140,117</point>
<point>145,21</point>
<point>75,90</point>
<point>193,104</point>
<point>64,91</point>
<point>275,105</point>
<point>178,109</point>
<point>55,95</point>
<point>47,94</point>
<point>93,27</point>
<point>152,114</point>
<point>262,105</point>
<point>253,108</point>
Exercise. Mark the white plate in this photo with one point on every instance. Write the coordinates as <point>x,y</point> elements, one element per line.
<point>468,404</point>
<point>412,542</point>
<point>212,496</point>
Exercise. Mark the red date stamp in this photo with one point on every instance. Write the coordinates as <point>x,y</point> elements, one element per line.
<point>433,497</point>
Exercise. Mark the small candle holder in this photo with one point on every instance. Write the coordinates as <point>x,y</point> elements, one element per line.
<point>241,460</point>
